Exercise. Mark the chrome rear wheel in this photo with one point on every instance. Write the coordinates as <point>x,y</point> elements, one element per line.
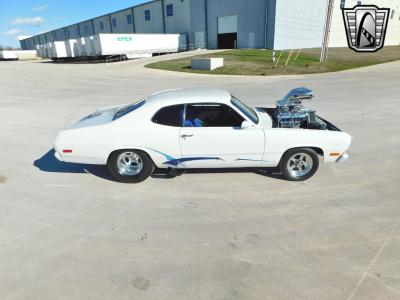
<point>129,164</point>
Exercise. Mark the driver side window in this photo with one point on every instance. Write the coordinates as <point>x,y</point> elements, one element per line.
<point>212,115</point>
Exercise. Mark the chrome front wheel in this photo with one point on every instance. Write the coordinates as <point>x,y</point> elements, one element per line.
<point>299,164</point>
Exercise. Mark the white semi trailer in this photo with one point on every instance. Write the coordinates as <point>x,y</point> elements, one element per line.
<point>18,54</point>
<point>111,44</point>
<point>58,50</point>
<point>72,48</point>
<point>137,45</point>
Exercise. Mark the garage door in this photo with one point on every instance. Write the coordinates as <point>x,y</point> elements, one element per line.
<point>227,24</point>
<point>227,32</point>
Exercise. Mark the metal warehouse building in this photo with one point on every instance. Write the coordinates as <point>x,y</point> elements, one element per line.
<point>275,24</point>
<point>210,23</point>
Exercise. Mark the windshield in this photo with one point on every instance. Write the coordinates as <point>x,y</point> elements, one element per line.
<point>128,109</point>
<point>247,111</point>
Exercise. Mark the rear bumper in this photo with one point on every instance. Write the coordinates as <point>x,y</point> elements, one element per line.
<point>342,158</point>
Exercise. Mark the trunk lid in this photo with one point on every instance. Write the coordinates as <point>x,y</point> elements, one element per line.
<point>100,117</point>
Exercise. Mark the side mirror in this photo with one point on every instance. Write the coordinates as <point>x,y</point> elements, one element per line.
<point>246,124</point>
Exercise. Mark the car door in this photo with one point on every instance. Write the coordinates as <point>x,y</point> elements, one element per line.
<point>162,136</point>
<point>212,137</point>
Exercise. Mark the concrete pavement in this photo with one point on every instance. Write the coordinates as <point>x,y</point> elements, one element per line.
<point>72,233</point>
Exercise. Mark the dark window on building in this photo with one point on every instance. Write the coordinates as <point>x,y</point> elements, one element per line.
<point>114,22</point>
<point>86,30</point>
<point>212,115</point>
<point>358,2</point>
<point>101,26</point>
<point>170,10</point>
<point>342,3</point>
<point>129,19</point>
<point>170,116</point>
<point>147,16</point>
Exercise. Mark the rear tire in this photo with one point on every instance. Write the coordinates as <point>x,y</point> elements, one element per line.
<point>130,166</point>
<point>299,164</point>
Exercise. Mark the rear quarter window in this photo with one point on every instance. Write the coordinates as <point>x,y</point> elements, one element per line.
<point>128,109</point>
<point>169,116</point>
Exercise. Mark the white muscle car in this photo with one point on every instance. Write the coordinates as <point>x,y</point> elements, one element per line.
<point>203,128</point>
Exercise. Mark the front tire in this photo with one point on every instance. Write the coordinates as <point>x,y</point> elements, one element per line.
<point>299,164</point>
<point>130,166</point>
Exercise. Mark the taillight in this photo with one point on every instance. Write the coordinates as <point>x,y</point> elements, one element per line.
<point>67,151</point>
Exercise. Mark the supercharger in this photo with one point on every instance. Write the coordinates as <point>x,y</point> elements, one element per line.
<point>290,113</point>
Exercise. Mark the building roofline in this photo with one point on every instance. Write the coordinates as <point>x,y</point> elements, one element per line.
<point>101,16</point>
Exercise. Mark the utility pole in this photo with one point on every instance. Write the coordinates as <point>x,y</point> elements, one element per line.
<point>325,41</point>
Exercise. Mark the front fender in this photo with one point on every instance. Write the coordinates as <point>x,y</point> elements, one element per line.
<point>279,141</point>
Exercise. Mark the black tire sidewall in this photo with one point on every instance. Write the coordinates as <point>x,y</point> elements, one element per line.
<point>283,164</point>
<point>148,167</point>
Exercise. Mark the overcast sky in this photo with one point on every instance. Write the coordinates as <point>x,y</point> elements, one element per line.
<point>30,17</point>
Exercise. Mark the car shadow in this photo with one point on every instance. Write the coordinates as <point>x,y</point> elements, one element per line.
<point>267,172</point>
<point>48,163</point>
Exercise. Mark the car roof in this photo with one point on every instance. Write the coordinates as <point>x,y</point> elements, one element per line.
<point>191,95</point>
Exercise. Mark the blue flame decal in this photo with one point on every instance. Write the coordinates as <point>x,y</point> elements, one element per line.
<point>172,161</point>
<point>175,162</point>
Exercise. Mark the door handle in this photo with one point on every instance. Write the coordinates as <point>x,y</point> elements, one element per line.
<point>184,136</point>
